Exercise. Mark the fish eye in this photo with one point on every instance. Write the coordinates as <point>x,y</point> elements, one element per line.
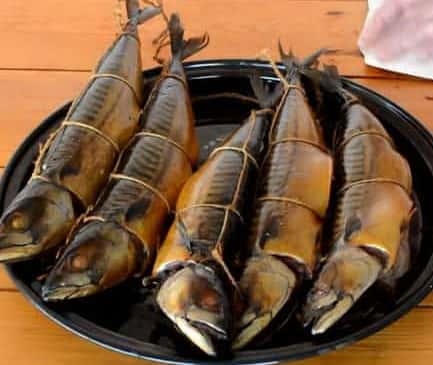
<point>18,221</point>
<point>79,262</point>
<point>210,301</point>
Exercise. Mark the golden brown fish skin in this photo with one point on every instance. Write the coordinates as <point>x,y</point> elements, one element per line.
<point>132,211</point>
<point>75,166</point>
<point>194,256</point>
<point>224,181</point>
<point>292,203</point>
<point>372,217</point>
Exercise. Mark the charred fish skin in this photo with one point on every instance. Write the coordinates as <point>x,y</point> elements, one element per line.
<point>291,206</point>
<point>196,294</point>
<point>120,236</point>
<point>76,161</point>
<point>374,207</point>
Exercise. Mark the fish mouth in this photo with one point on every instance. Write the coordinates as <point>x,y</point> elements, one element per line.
<point>346,276</point>
<point>327,311</point>
<point>267,284</point>
<point>64,292</point>
<point>194,300</point>
<point>12,252</point>
<point>202,335</point>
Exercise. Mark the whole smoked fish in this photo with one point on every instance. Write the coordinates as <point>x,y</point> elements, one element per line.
<point>197,284</point>
<point>75,163</point>
<point>372,219</point>
<point>291,206</point>
<point>119,237</point>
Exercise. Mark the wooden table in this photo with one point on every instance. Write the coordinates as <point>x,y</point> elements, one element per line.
<point>48,50</point>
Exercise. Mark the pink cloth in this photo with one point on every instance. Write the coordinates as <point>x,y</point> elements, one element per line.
<point>394,37</point>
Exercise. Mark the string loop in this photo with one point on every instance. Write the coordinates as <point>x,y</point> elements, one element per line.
<point>167,139</point>
<point>119,78</point>
<point>236,149</point>
<point>88,127</point>
<point>373,180</point>
<point>370,132</point>
<point>146,185</point>
<point>229,208</point>
<point>291,201</point>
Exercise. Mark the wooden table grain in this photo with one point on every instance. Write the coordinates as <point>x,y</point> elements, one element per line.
<point>48,51</point>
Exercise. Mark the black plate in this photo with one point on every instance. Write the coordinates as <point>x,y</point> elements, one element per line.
<point>123,319</point>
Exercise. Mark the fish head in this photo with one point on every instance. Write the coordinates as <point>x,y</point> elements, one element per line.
<point>267,284</point>
<point>99,256</point>
<point>347,274</point>
<point>34,224</point>
<point>196,302</point>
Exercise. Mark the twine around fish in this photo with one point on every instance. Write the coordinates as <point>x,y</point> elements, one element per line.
<point>381,180</point>
<point>154,190</point>
<point>229,208</point>
<point>291,201</point>
<point>370,132</point>
<point>118,78</point>
<point>78,124</point>
<point>166,139</point>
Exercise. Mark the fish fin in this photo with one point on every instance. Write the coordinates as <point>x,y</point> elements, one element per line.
<point>132,8</point>
<point>403,261</point>
<point>332,72</point>
<point>194,45</point>
<point>140,15</point>
<point>331,83</point>
<point>328,79</point>
<point>265,97</point>
<point>353,224</point>
<point>191,244</point>
<point>186,239</point>
<point>402,264</point>
<point>179,46</point>
<point>414,227</point>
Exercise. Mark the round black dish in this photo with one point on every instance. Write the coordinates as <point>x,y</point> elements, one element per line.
<point>123,319</point>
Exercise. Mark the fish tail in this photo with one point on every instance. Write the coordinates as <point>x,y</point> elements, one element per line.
<point>312,61</point>
<point>139,15</point>
<point>289,60</point>
<point>329,82</point>
<point>265,97</point>
<point>294,65</point>
<point>181,48</point>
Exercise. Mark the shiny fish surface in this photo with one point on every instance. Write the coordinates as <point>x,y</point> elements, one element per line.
<point>75,164</point>
<point>193,263</point>
<point>291,206</point>
<point>119,238</point>
<point>372,217</point>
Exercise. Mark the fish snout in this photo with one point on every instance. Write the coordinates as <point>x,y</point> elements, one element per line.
<point>267,284</point>
<point>348,273</point>
<point>194,299</point>
<point>16,245</point>
<point>33,225</point>
<point>62,286</point>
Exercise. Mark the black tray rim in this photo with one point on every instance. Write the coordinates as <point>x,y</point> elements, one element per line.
<point>146,351</point>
